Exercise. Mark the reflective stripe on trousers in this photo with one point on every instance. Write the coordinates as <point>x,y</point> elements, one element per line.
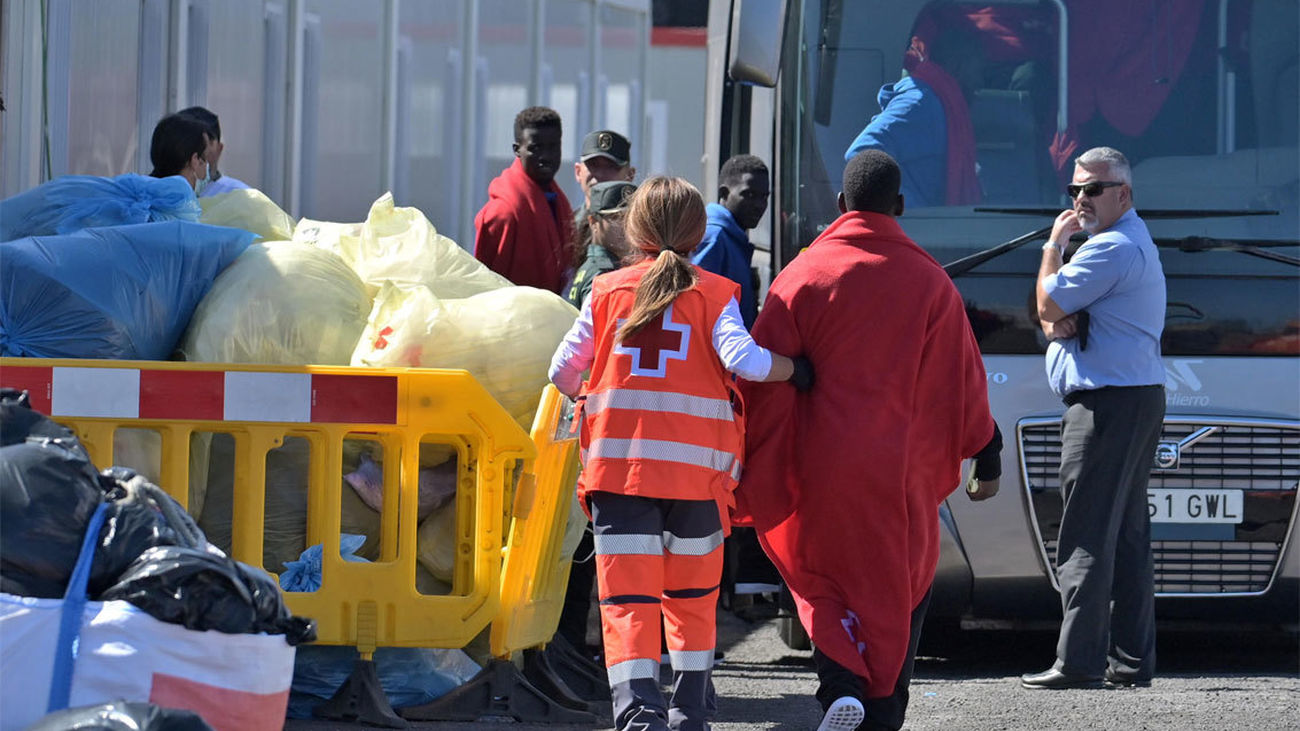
<point>658,561</point>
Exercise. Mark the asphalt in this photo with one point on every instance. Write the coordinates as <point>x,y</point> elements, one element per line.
<point>971,683</point>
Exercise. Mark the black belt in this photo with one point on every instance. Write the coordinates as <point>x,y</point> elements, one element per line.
<point>1075,397</point>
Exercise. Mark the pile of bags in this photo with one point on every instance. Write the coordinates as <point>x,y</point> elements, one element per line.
<point>109,591</point>
<point>388,291</point>
<point>137,268</point>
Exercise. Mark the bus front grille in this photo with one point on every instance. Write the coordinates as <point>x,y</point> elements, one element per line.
<point>1208,567</point>
<point>1260,458</point>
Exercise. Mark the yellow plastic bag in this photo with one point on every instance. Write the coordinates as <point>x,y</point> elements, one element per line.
<point>436,543</point>
<point>573,530</point>
<point>280,303</point>
<point>284,530</point>
<point>249,209</point>
<point>401,245</point>
<point>505,338</point>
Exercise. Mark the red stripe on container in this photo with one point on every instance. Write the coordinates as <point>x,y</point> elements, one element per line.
<point>354,399</point>
<point>671,36</point>
<point>37,381</point>
<point>182,394</point>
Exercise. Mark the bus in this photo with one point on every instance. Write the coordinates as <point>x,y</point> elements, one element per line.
<point>1203,97</point>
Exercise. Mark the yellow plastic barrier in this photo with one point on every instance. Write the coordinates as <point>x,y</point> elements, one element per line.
<point>534,575</point>
<point>361,604</point>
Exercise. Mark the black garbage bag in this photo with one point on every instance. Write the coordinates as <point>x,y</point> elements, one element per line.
<point>202,589</point>
<point>18,422</point>
<point>48,491</point>
<point>122,716</point>
<point>140,516</point>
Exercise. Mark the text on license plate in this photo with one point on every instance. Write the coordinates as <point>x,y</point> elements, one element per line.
<point>1194,506</point>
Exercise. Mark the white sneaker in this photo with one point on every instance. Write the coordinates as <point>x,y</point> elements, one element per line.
<point>844,715</point>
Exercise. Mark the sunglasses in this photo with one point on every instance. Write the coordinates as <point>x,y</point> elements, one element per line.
<point>1091,190</point>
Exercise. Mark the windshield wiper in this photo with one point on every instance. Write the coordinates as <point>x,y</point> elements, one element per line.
<point>1151,213</point>
<point>967,263</point>
<point>1250,247</point>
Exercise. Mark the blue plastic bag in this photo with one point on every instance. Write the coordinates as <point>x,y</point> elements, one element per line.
<point>119,292</point>
<point>305,573</point>
<point>410,676</point>
<point>75,202</point>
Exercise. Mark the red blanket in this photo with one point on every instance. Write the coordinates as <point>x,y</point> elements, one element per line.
<point>844,483</point>
<point>517,235</point>
<point>1135,54</point>
<point>963,183</point>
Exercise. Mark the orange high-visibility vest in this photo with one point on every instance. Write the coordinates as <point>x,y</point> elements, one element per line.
<point>660,416</point>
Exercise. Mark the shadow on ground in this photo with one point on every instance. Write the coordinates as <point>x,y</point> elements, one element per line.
<point>993,654</point>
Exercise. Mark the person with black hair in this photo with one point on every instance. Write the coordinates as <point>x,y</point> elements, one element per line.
<point>925,123</point>
<point>844,484</point>
<point>743,190</point>
<point>524,231</point>
<point>220,183</point>
<point>179,147</point>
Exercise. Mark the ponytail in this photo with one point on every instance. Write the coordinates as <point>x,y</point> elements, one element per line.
<point>668,277</point>
<point>665,220</point>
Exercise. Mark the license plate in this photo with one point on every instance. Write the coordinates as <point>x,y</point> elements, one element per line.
<point>1194,506</point>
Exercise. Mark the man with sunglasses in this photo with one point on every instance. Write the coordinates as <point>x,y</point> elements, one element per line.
<point>1112,383</point>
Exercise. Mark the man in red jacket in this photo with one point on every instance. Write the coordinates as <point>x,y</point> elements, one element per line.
<point>523,231</point>
<point>844,483</point>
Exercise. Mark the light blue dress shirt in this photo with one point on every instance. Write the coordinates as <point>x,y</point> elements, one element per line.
<point>1115,276</point>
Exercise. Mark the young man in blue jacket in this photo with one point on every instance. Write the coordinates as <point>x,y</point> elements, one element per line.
<point>743,190</point>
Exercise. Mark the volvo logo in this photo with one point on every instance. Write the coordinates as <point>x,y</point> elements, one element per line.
<point>1167,456</point>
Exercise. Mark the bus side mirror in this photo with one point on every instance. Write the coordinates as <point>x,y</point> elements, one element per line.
<point>757,27</point>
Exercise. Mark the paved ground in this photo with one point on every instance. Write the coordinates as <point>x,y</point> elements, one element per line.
<point>1210,684</point>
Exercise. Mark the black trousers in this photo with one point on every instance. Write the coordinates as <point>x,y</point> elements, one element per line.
<point>1103,560</point>
<point>882,714</point>
<point>576,611</point>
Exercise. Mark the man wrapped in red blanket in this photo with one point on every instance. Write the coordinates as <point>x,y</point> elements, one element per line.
<point>844,483</point>
<point>523,232</point>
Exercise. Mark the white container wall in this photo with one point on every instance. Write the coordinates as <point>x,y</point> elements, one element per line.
<point>429,130</point>
<point>324,104</point>
<point>566,80</point>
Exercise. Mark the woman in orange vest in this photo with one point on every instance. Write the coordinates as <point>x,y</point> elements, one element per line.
<point>662,438</point>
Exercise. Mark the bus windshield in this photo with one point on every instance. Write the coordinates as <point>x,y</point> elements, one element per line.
<point>986,106</point>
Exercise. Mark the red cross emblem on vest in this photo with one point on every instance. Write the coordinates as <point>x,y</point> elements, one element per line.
<point>655,344</point>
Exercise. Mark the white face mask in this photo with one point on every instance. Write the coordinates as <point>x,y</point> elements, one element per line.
<point>202,183</point>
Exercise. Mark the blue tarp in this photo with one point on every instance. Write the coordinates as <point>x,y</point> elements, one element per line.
<point>118,292</point>
<point>74,202</point>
